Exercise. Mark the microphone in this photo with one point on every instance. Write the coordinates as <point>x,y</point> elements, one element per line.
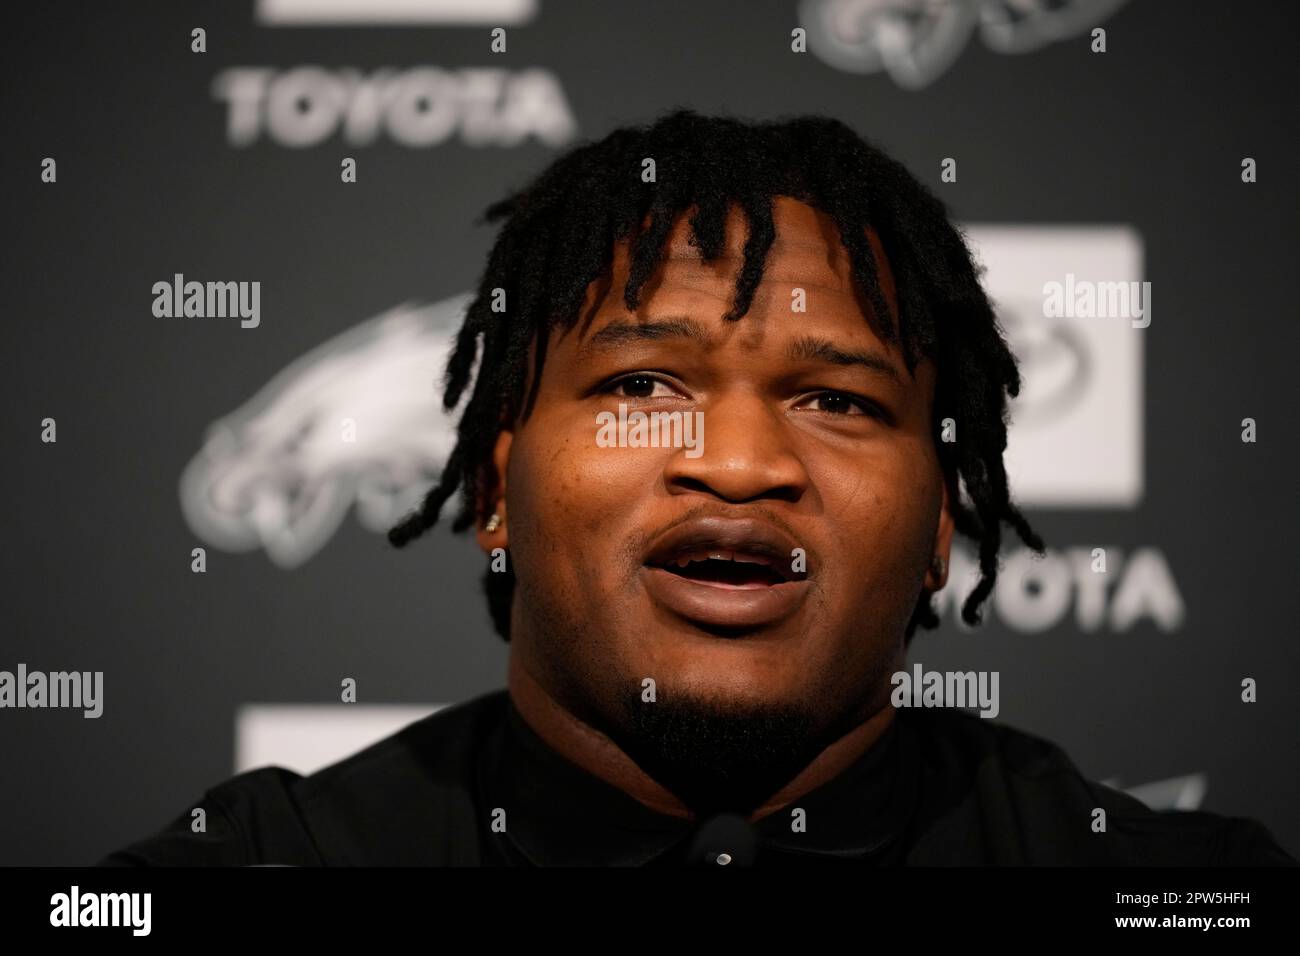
<point>725,839</point>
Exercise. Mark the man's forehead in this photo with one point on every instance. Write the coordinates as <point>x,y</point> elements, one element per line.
<point>806,265</point>
<point>806,252</point>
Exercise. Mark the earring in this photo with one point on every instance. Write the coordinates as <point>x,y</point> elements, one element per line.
<point>937,566</point>
<point>492,523</point>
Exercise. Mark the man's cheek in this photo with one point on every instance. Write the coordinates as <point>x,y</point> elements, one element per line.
<point>886,539</point>
<point>613,480</point>
<point>538,501</point>
<point>569,488</point>
<point>550,463</point>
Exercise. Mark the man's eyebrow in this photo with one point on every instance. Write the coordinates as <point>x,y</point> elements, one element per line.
<point>822,350</point>
<point>669,327</point>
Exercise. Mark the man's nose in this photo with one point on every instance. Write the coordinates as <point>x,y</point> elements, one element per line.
<point>747,453</point>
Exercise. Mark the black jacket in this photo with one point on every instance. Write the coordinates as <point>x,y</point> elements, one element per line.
<point>474,785</point>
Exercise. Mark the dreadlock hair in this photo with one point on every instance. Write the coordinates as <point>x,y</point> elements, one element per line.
<point>558,237</point>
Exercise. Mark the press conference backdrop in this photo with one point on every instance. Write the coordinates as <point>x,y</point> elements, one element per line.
<point>1152,161</point>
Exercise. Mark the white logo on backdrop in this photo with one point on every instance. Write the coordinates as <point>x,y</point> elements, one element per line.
<point>326,13</point>
<point>1076,435</point>
<point>916,41</point>
<point>280,474</point>
<point>418,106</point>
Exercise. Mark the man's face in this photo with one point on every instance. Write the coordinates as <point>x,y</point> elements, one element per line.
<point>815,486</point>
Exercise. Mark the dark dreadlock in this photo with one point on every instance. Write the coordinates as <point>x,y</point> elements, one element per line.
<point>559,235</point>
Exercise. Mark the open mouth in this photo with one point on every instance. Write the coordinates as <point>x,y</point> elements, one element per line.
<point>727,574</point>
<point>726,568</point>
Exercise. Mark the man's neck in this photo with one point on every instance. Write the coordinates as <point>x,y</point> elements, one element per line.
<point>588,748</point>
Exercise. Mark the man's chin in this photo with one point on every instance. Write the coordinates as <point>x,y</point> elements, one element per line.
<point>715,754</point>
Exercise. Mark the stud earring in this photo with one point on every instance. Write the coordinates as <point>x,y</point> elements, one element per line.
<point>492,523</point>
<point>937,566</point>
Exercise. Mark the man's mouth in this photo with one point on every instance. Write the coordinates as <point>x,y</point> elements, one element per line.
<point>726,568</point>
<point>726,572</point>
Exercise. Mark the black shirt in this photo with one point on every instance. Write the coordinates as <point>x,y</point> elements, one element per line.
<point>474,785</point>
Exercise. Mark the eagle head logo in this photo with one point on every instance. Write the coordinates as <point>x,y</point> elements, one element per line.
<point>357,419</point>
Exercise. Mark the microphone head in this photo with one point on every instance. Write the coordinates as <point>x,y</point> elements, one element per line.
<point>725,839</point>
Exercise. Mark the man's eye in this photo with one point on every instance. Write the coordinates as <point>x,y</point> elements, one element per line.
<point>838,403</point>
<point>639,386</point>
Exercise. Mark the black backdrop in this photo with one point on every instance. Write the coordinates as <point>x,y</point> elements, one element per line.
<point>152,181</point>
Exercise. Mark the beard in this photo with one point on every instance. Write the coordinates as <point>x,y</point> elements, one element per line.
<point>715,754</point>
<point>718,756</point>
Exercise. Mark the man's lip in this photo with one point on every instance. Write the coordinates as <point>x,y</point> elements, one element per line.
<point>741,539</point>
<point>717,605</point>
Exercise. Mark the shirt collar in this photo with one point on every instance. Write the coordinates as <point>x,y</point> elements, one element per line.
<point>557,814</point>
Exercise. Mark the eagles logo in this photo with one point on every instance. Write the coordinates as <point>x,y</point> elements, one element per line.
<point>357,419</point>
<point>915,41</point>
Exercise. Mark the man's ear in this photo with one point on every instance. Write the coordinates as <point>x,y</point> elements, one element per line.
<point>942,545</point>
<point>493,501</point>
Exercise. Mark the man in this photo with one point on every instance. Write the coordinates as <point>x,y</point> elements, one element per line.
<point>737,387</point>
